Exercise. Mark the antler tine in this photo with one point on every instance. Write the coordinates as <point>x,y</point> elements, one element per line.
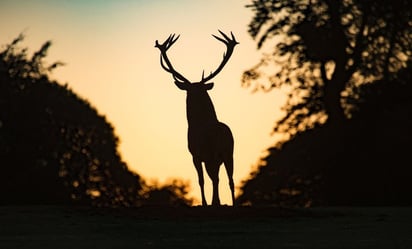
<point>168,43</point>
<point>171,40</point>
<point>224,35</point>
<point>164,59</point>
<point>220,39</point>
<point>230,44</point>
<point>233,37</point>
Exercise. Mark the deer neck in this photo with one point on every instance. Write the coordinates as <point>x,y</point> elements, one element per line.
<point>200,110</point>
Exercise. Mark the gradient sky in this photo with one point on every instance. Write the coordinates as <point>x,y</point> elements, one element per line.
<point>108,48</point>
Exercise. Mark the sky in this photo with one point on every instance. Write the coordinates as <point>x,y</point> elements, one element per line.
<point>108,49</point>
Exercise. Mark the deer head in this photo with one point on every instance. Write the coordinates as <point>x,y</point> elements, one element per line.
<point>183,83</point>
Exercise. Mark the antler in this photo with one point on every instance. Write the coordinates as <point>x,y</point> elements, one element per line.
<point>163,58</point>
<point>230,44</point>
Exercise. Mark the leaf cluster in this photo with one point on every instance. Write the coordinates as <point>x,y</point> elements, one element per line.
<point>317,43</point>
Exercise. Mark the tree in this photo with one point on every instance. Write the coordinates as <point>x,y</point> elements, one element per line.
<point>367,167</point>
<point>347,64</point>
<point>54,146</point>
<point>325,50</point>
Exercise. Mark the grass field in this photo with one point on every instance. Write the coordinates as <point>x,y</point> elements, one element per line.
<point>243,227</point>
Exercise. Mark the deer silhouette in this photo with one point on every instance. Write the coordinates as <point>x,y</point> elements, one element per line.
<point>209,141</point>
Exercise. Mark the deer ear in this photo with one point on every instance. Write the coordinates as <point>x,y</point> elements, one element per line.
<point>209,86</point>
<point>181,85</point>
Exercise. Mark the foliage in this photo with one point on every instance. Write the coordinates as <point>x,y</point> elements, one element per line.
<point>174,194</point>
<point>366,167</point>
<point>15,60</point>
<point>54,146</point>
<point>325,50</point>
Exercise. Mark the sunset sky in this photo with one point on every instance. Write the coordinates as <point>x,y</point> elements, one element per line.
<point>108,48</point>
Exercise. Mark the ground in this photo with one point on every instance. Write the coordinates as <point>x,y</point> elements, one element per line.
<point>226,227</point>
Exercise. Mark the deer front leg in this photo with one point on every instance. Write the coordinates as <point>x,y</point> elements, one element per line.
<point>199,169</point>
<point>213,172</point>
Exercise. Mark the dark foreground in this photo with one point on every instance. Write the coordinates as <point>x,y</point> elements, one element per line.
<point>243,227</point>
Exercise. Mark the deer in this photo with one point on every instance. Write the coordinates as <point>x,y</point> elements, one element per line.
<point>210,141</point>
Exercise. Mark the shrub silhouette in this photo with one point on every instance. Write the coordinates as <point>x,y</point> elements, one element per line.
<point>369,166</point>
<point>54,146</point>
<point>173,193</point>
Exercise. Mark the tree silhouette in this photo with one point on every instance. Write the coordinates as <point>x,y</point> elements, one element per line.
<point>54,146</point>
<point>326,49</point>
<point>347,63</point>
<point>367,167</point>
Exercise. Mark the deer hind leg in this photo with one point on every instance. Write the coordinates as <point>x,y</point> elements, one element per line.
<point>199,169</point>
<point>212,169</point>
<point>229,170</point>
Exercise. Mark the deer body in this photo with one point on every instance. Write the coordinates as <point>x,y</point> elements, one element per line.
<point>210,142</point>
